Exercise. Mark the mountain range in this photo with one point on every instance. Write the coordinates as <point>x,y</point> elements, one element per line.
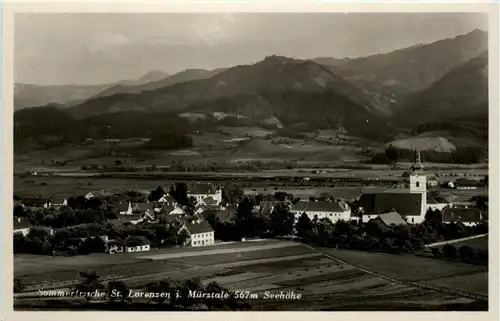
<point>412,89</point>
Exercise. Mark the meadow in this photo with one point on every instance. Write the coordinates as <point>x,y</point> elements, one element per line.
<point>323,283</point>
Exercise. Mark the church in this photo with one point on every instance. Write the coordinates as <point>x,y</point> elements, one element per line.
<point>411,203</point>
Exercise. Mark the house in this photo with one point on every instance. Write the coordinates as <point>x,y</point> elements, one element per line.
<point>437,203</point>
<point>201,191</point>
<point>60,202</point>
<point>112,246</point>
<point>132,219</point>
<point>465,183</point>
<point>432,182</point>
<point>98,194</point>
<point>168,200</point>
<point>334,211</point>
<point>36,202</point>
<point>21,226</point>
<point>463,205</point>
<point>177,210</point>
<point>388,219</point>
<point>207,201</point>
<point>467,216</point>
<point>144,208</point>
<point>137,244</point>
<point>125,208</point>
<point>200,233</point>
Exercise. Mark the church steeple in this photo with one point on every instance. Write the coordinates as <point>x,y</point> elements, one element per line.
<point>417,166</point>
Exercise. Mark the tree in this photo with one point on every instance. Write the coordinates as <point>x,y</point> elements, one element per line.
<point>304,226</point>
<point>436,251</point>
<point>218,303</point>
<point>156,194</point>
<point>282,220</point>
<point>180,194</point>
<point>244,218</point>
<point>18,286</point>
<point>466,252</point>
<point>449,251</point>
<point>118,290</point>
<point>160,289</point>
<point>90,283</point>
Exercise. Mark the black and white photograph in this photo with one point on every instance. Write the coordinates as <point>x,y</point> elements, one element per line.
<point>250,161</point>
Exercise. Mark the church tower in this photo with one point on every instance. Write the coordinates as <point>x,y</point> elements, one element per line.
<point>418,185</point>
<point>418,179</point>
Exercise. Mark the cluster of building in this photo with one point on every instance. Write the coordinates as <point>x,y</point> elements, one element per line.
<point>400,206</point>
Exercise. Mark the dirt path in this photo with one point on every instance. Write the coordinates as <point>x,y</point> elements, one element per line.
<point>167,256</point>
<point>456,240</point>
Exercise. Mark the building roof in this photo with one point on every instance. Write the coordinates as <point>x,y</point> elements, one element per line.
<point>123,207</point>
<point>197,228</point>
<point>392,218</point>
<point>202,188</point>
<point>22,224</point>
<point>167,198</point>
<point>137,240</point>
<point>318,207</point>
<point>209,201</point>
<point>34,201</point>
<point>404,203</point>
<point>143,207</point>
<point>467,182</point>
<point>466,215</point>
<point>133,217</point>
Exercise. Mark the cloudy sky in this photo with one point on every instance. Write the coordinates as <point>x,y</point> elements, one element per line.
<point>102,48</point>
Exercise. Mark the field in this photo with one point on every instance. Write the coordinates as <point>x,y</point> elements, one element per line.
<point>477,243</point>
<point>419,269</point>
<point>264,267</point>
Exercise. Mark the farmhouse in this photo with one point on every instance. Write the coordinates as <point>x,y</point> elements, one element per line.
<point>411,203</point>
<point>465,183</point>
<point>36,202</point>
<point>201,191</point>
<point>137,244</point>
<point>167,200</point>
<point>334,211</point>
<point>200,233</point>
<point>177,210</point>
<point>438,203</point>
<point>467,216</point>
<point>21,226</point>
<point>388,219</point>
<point>113,246</point>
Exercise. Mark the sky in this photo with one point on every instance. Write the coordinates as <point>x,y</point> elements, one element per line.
<point>98,48</point>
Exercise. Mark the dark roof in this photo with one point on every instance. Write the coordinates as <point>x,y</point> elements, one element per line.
<point>404,203</point>
<point>202,188</point>
<point>21,225</point>
<point>123,207</point>
<point>133,217</point>
<point>137,240</point>
<point>142,207</point>
<point>202,227</point>
<point>318,207</point>
<point>392,218</point>
<point>209,200</point>
<point>466,215</point>
<point>467,182</point>
<point>34,201</point>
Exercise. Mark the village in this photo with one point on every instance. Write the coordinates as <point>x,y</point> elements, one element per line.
<point>204,215</point>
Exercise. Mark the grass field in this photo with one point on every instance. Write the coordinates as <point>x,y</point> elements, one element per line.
<point>418,269</point>
<point>323,283</point>
<point>480,243</point>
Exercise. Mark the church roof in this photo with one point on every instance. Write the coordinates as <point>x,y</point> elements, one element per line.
<point>404,203</point>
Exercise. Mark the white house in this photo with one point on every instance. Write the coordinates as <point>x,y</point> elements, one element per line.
<point>334,211</point>
<point>467,216</point>
<point>112,246</point>
<point>200,233</point>
<point>201,191</point>
<point>177,210</point>
<point>21,226</point>
<point>167,200</point>
<point>137,244</point>
<point>438,203</point>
